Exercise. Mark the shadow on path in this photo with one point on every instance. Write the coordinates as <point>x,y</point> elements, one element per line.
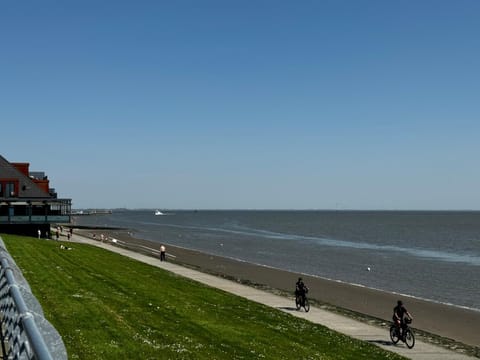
<point>288,308</point>
<point>381,342</point>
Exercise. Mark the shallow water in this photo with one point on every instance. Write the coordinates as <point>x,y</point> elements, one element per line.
<point>432,255</point>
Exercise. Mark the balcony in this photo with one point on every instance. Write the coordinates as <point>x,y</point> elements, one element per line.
<point>35,211</point>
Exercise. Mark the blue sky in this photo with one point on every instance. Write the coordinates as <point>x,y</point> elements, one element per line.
<point>245,104</point>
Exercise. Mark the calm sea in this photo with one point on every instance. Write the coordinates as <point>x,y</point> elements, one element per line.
<point>430,255</point>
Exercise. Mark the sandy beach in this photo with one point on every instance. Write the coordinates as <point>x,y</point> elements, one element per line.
<point>452,325</point>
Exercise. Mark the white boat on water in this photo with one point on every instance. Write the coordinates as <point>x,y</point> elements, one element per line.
<point>158,212</point>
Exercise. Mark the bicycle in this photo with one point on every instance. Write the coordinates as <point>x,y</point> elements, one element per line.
<point>408,337</point>
<point>302,301</point>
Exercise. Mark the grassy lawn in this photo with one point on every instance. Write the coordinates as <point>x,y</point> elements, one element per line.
<point>107,306</point>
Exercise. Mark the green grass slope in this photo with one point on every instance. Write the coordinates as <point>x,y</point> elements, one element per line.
<point>107,306</point>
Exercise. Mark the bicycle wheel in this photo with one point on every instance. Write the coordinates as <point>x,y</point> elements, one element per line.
<point>394,336</point>
<point>306,306</point>
<point>409,339</point>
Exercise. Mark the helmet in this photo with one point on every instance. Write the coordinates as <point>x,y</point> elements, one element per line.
<point>399,302</point>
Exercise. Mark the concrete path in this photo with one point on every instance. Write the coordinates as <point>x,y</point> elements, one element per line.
<point>345,325</point>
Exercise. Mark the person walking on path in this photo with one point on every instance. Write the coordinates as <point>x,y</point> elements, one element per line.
<point>162,253</point>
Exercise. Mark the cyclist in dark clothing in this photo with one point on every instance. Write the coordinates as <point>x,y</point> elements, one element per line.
<point>301,289</point>
<point>400,314</point>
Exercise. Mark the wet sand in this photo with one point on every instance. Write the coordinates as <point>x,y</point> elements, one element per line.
<point>450,324</point>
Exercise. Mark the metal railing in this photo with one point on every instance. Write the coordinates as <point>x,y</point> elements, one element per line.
<point>26,334</point>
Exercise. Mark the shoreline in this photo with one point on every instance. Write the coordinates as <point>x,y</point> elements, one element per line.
<point>444,324</point>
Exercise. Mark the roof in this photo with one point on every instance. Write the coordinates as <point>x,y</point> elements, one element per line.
<point>27,188</point>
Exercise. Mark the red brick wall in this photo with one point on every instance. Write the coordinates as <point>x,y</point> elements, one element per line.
<point>42,184</point>
<point>22,167</point>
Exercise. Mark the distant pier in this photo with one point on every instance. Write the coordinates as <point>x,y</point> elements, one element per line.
<point>91,212</point>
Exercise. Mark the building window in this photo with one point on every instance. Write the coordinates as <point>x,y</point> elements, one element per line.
<point>10,189</point>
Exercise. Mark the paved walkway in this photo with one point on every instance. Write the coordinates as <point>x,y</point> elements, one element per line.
<point>345,325</point>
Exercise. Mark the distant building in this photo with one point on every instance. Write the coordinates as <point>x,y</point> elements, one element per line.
<point>27,203</point>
